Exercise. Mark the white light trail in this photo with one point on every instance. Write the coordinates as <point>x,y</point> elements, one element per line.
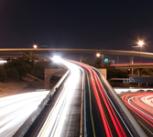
<point>56,121</point>
<point>14,110</point>
<point>3,62</point>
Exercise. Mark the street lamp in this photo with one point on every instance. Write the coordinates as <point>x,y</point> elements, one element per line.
<point>98,55</point>
<point>140,44</point>
<point>35,46</point>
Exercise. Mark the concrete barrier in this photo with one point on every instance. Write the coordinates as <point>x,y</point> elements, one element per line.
<point>28,123</point>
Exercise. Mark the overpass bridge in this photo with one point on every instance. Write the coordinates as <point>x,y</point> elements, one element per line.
<point>74,50</point>
<point>75,115</point>
<point>135,65</point>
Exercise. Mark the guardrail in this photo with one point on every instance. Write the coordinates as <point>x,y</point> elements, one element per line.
<point>28,123</point>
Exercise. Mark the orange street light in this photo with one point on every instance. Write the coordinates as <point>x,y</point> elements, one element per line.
<point>35,46</point>
<point>140,43</point>
<point>98,55</point>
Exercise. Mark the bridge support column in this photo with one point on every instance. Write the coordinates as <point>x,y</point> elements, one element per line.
<point>132,62</point>
<point>103,71</point>
<point>139,72</point>
<point>132,71</point>
<point>139,75</point>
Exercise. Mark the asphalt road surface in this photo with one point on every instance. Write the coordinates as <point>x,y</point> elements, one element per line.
<point>104,115</point>
<point>14,110</point>
<point>141,105</point>
<point>64,118</point>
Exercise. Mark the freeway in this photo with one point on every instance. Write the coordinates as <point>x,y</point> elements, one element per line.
<point>103,114</point>
<point>141,105</point>
<point>15,109</point>
<point>64,119</point>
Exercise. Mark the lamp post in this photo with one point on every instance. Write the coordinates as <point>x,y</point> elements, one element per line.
<point>35,46</point>
<point>98,54</point>
<point>139,44</point>
<point>98,60</point>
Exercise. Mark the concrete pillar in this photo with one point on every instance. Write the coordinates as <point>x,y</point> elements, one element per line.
<point>139,75</point>
<point>103,71</point>
<point>132,62</point>
<point>139,72</point>
<point>132,71</point>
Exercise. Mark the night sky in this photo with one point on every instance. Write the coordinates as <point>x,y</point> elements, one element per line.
<point>107,24</point>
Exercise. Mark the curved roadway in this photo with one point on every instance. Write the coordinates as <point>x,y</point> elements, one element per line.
<point>103,117</point>
<point>15,110</point>
<point>64,118</point>
<point>103,114</point>
<point>141,104</point>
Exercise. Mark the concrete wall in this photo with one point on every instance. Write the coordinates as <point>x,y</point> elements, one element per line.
<point>103,72</point>
<point>49,73</point>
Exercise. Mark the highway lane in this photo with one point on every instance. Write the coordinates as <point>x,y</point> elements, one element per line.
<point>107,115</point>
<point>15,109</point>
<point>103,116</point>
<point>64,118</point>
<point>141,104</point>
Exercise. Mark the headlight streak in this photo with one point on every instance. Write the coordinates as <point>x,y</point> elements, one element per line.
<point>2,62</point>
<point>94,83</point>
<point>56,120</point>
<point>103,103</point>
<point>14,110</point>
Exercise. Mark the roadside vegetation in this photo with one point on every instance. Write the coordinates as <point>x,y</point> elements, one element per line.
<point>16,69</point>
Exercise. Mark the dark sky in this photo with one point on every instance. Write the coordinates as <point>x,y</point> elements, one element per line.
<point>108,24</point>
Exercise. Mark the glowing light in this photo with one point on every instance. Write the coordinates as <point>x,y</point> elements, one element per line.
<point>3,62</point>
<point>98,55</point>
<point>57,117</point>
<point>35,46</point>
<point>140,43</point>
<point>57,59</point>
<point>15,109</point>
